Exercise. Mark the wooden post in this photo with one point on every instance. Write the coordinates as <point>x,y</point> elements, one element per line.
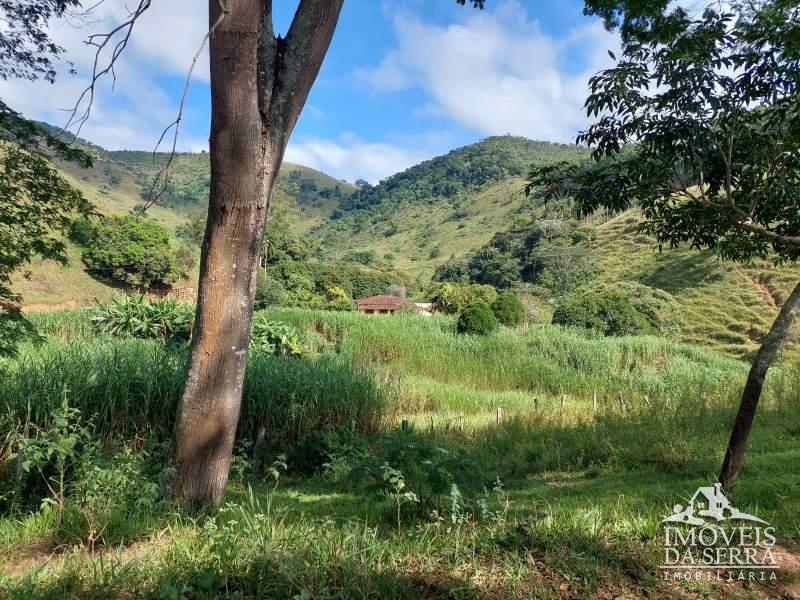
<point>431,423</point>
<point>563,401</point>
<point>621,401</point>
<point>499,414</point>
<point>353,425</point>
<point>594,400</point>
<point>461,420</point>
<point>535,403</point>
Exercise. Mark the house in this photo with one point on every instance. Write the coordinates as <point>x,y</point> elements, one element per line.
<point>379,305</point>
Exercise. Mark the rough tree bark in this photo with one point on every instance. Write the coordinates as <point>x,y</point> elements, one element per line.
<point>259,85</point>
<point>734,455</point>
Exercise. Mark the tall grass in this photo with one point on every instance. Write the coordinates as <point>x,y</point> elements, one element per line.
<point>545,360</point>
<point>131,387</point>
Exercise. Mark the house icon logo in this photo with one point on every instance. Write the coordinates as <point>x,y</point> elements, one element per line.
<point>711,540</point>
<point>711,503</point>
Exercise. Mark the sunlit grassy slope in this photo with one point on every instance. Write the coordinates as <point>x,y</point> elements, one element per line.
<point>427,236</point>
<point>728,306</point>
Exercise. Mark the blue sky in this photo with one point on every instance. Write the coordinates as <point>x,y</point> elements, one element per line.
<point>403,80</point>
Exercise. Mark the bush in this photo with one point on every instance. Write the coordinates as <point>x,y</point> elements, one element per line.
<point>275,339</point>
<point>477,318</point>
<point>135,316</point>
<point>608,312</point>
<point>660,308</point>
<point>269,292</point>
<point>81,232</point>
<point>509,310</point>
<point>452,298</point>
<point>132,251</point>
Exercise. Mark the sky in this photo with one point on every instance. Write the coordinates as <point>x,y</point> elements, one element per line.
<point>403,81</point>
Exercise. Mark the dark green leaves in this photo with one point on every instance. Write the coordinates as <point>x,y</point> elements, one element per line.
<point>698,125</point>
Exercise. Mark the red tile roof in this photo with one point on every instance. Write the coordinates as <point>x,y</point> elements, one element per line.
<point>382,302</point>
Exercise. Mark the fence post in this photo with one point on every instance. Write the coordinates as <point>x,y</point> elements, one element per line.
<point>461,420</point>
<point>563,401</point>
<point>594,400</point>
<point>499,414</point>
<point>431,423</point>
<point>535,403</point>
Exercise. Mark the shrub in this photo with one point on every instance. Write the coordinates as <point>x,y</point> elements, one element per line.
<point>135,316</point>
<point>452,298</point>
<point>269,292</point>
<point>185,259</point>
<point>509,310</point>
<point>275,339</point>
<point>338,299</point>
<point>660,308</point>
<point>81,232</point>
<point>477,318</point>
<point>610,313</point>
<point>133,251</point>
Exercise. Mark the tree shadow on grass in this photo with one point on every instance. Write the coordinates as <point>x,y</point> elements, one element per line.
<point>675,273</point>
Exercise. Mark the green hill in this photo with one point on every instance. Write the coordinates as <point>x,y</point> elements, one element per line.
<point>440,210</point>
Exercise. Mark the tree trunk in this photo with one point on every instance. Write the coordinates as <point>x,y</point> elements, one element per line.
<point>259,85</point>
<point>734,455</point>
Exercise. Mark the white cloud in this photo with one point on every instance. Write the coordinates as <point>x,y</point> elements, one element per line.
<point>352,158</point>
<point>136,110</point>
<point>496,71</point>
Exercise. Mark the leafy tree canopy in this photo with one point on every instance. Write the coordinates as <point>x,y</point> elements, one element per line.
<point>133,251</point>
<point>477,318</point>
<point>698,122</point>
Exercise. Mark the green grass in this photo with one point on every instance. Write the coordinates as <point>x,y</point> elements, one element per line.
<point>727,309</point>
<point>558,499</point>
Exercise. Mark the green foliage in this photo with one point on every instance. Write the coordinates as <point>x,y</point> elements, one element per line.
<point>660,308</point>
<point>542,253</point>
<point>81,232</point>
<point>269,292</point>
<point>192,231</point>
<point>710,100</point>
<point>462,170</point>
<point>275,339</point>
<point>136,316</point>
<point>415,474</point>
<point>476,318</point>
<point>609,313</point>
<point>37,207</point>
<point>317,284</point>
<point>185,259</point>
<point>509,310</point>
<point>452,298</point>
<point>84,487</point>
<point>131,250</point>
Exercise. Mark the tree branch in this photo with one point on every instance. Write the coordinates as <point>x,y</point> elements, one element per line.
<point>102,41</point>
<point>163,174</point>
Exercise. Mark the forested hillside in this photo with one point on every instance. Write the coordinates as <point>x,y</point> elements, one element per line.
<point>461,217</point>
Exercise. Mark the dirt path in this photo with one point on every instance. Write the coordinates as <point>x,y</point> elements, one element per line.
<point>771,296</point>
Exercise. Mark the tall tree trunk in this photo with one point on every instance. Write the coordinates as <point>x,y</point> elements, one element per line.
<point>259,85</point>
<point>734,455</point>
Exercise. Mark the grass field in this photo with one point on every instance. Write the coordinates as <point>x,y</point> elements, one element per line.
<point>556,499</point>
